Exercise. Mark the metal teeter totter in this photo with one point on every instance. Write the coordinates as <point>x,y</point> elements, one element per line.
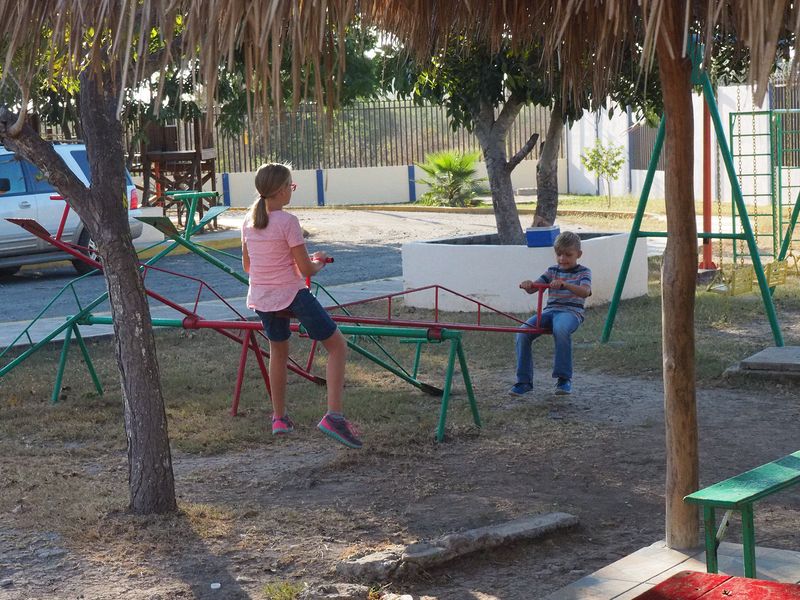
<point>363,330</point>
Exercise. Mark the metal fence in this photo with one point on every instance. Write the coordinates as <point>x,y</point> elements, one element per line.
<point>784,94</point>
<point>368,134</point>
<point>642,140</point>
<point>374,134</point>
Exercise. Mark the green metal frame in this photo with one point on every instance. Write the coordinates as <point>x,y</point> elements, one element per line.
<point>70,325</point>
<point>747,230</point>
<point>166,227</point>
<point>456,350</point>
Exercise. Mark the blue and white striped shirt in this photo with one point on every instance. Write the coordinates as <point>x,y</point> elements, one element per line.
<point>565,299</point>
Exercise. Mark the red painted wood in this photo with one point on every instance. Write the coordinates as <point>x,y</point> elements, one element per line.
<point>691,585</point>
<point>686,585</point>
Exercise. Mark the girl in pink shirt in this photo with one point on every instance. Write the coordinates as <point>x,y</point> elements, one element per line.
<point>275,256</point>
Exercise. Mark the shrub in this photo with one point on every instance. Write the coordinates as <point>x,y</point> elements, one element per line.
<point>451,178</point>
<point>605,162</point>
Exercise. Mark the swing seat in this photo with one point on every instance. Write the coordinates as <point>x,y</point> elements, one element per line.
<point>776,271</point>
<point>794,266</point>
<point>739,282</point>
<point>718,284</point>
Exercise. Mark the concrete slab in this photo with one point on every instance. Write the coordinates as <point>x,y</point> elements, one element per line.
<point>786,358</point>
<point>634,574</point>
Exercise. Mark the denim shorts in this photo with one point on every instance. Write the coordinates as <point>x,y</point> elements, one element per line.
<point>306,309</point>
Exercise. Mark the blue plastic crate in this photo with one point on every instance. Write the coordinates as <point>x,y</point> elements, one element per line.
<point>540,237</point>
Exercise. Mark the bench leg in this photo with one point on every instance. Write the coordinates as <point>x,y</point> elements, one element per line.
<point>710,523</point>
<point>749,541</point>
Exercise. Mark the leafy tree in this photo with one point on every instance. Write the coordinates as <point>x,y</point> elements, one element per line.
<point>103,79</point>
<point>96,92</point>
<point>605,162</point>
<point>484,92</point>
<point>452,178</point>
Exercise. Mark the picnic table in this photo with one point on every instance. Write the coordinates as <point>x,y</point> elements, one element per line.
<point>193,202</point>
<point>691,585</point>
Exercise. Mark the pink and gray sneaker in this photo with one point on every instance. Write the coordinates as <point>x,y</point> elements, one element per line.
<point>281,425</point>
<point>340,430</point>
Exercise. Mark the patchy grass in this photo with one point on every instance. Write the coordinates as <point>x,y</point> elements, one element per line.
<point>198,375</point>
<point>282,591</point>
<point>265,504</point>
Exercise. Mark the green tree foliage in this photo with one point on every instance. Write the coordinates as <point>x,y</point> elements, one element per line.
<point>451,178</point>
<point>605,162</point>
<point>483,91</point>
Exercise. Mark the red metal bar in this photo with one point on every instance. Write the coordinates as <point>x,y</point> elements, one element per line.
<point>34,227</point>
<point>541,287</point>
<point>311,355</point>
<point>240,375</point>
<point>440,324</point>
<point>253,343</point>
<point>64,214</point>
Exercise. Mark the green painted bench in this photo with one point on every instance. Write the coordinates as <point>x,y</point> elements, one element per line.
<point>740,493</point>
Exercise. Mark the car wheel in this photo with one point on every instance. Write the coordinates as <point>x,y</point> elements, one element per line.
<point>87,242</point>
<point>8,271</point>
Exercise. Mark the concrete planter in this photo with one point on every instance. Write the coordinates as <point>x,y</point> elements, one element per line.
<point>490,273</point>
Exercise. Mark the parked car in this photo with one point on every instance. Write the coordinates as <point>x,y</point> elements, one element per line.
<point>26,193</point>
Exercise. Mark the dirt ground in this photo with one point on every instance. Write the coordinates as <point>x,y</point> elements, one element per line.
<point>298,506</point>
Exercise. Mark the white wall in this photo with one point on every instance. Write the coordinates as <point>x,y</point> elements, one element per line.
<point>737,98</point>
<point>492,273</point>
<point>366,185</point>
<point>581,137</point>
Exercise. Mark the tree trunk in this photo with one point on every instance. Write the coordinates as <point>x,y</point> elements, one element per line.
<point>102,210</point>
<point>491,135</point>
<point>150,478</point>
<point>678,281</point>
<point>547,172</point>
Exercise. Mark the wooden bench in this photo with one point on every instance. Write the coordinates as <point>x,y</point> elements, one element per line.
<point>740,493</point>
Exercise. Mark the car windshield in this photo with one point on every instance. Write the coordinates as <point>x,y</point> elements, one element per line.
<point>83,162</point>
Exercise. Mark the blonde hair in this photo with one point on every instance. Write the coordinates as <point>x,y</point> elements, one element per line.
<point>566,240</point>
<point>270,178</point>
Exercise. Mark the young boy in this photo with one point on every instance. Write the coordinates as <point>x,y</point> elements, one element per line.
<point>570,284</point>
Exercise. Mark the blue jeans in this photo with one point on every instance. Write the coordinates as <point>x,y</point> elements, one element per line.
<point>563,324</point>
<point>306,309</point>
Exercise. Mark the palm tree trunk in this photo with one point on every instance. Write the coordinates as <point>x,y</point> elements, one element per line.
<point>678,281</point>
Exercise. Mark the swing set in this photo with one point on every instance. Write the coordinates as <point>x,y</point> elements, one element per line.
<point>768,164</point>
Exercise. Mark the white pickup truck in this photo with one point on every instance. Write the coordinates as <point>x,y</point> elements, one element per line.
<point>27,194</point>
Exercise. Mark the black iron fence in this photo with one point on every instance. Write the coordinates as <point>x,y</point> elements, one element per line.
<point>372,134</point>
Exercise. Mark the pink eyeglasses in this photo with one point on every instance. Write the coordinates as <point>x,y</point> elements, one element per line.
<point>293,186</point>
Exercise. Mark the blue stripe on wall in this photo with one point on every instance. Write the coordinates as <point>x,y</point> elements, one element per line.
<point>412,186</point>
<point>320,188</point>
<point>226,190</point>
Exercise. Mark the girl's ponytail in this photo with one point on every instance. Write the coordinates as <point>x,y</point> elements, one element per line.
<point>270,178</point>
<point>259,213</point>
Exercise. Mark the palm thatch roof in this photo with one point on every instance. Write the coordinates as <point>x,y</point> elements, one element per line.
<point>586,38</point>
